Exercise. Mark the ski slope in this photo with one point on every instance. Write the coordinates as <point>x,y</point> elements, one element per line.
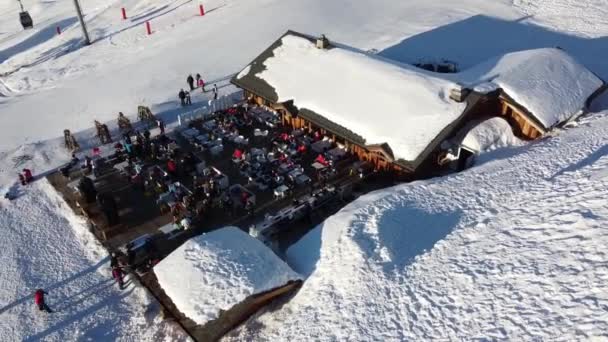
<point>512,249</point>
<point>44,245</point>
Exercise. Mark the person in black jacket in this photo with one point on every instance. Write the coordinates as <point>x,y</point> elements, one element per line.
<point>190,81</point>
<point>182,97</point>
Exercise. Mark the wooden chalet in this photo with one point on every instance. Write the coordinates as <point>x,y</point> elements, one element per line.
<point>475,105</point>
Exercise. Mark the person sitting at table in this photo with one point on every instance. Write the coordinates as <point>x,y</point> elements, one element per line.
<point>172,168</point>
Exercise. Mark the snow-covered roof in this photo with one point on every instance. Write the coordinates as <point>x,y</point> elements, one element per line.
<point>548,82</point>
<point>380,100</point>
<point>218,270</point>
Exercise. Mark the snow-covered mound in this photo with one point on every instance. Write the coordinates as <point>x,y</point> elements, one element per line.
<point>547,82</point>
<point>490,135</point>
<point>373,94</point>
<point>217,270</point>
<point>512,249</point>
<point>44,245</point>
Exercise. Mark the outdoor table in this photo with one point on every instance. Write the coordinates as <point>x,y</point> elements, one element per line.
<point>169,228</point>
<point>190,133</point>
<point>302,179</point>
<point>318,166</point>
<point>202,138</point>
<point>281,191</point>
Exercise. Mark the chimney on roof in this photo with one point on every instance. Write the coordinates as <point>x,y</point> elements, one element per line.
<point>459,93</point>
<point>322,42</point>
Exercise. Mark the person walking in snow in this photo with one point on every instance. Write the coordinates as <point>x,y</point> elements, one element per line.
<point>215,91</point>
<point>188,98</point>
<point>201,84</point>
<point>22,179</point>
<point>118,276</point>
<point>161,126</point>
<point>198,79</point>
<point>190,81</point>
<point>182,97</point>
<point>39,300</point>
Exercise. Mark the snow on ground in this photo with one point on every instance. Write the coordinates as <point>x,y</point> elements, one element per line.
<point>548,82</point>
<point>51,82</point>
<point>511,249</point>
<point>373,94</point>
<point>491,135</point>
<point>44,245</point>
<point>218,270</point>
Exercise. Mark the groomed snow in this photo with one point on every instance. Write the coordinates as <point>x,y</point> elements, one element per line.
<point>383,102</point>
<point>490,135</point>
<point>217,270</point>
<point>512,249</point>
<point>548,82</point>
<point>45,245</point>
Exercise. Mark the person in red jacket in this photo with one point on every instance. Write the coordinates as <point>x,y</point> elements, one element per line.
<point>39,300</point>
<point>118,276</point>
<point>27,173</point>
<point>172,167</point>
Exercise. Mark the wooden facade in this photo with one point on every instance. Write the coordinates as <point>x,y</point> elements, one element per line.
<point>375,154</point>
<point>522,124</point>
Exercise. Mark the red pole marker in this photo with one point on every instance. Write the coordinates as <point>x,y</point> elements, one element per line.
<point>124,13</point>
<point>202,9</point>
<point>58,30</point>
<point>148,28</point>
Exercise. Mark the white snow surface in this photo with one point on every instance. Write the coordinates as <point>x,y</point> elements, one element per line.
<point>365,94</point>
<point>513,249</point>
<point>44,245</point>
<point>217,270</point>
<point>548,82</point>
<point>490,135</point>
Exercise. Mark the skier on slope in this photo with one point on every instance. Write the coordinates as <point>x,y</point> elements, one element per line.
<point>201,84</point>
<point>190,81</point>
<point>198,79</point>
<point>39,300</point>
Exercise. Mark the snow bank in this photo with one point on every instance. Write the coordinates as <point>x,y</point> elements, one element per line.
<point>218,270</point>
<point>489,135</point>
<point>383,102</point>
<point>45,245</point>
<point>547,82</point>
<point>513,249</point>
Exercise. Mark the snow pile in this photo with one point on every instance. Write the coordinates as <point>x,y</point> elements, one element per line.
<point>383,102</point>
<point>217,270</point>
<point>513,249</point>
<point>547,82</point>
<point>490,135</point>
<point>44,245</point>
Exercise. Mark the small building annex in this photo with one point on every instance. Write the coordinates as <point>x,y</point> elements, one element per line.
<point>218,279</point>
<point>399,117</point>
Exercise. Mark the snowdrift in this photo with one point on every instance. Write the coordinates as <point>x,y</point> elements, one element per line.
<point>511,249</point>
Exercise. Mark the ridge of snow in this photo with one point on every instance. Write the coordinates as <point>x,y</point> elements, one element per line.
<point>511,249</point>
<point>45,245</point>
<point>489,135</point>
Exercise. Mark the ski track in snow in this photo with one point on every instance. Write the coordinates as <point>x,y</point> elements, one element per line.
<point>584,18</point>
<point>44,245</point>
<point>511,249</point>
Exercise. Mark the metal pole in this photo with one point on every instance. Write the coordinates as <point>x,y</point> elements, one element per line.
<point>87,41</point>
<point>20,4</point>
